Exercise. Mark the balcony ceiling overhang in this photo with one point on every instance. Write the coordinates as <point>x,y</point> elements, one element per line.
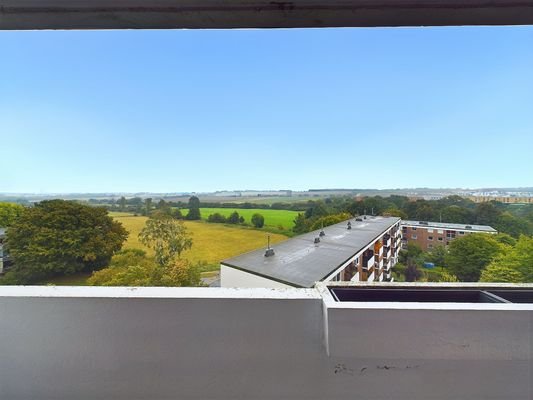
<point>210,14</point>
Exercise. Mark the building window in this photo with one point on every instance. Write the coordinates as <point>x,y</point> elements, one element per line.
<point>440,239</point>
<point>430,230</point>
<point>461,233</point>
<point>413,236</point>
<point>440,231</point>
<point>430,237</point>
<point>430,246</point>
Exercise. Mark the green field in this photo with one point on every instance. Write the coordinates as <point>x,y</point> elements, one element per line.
<point>273,218</point>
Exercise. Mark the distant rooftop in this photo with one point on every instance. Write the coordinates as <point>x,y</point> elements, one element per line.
<point>300,262</point>
<point>444,225</point>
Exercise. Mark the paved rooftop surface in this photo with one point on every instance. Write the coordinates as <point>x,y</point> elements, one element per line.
<point>300,262</point>
<point>444,225</point>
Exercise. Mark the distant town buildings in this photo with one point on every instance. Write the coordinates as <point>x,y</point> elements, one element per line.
<point>360,249</point>
<point>502,199</point>
<point>253,193</point>
<point>429,235</point>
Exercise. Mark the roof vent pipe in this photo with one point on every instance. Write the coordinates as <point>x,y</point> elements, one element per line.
<point>269,251</point>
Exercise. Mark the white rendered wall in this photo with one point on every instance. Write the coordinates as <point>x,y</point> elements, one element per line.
<point>234,278</point>
<point>207,343</point>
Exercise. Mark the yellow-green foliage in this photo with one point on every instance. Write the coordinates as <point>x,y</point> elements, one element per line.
<point>212,243</point>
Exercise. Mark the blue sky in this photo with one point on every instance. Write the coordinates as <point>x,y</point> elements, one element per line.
<point>169,111</point>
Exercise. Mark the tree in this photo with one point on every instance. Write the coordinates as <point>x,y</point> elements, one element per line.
<point>457,214</point>
<point>318,209</point>
<point>167,237</point>
<point>438,256</point>
<point>412,272</point>
<point>500,273</point>
<point>9,212</point>
<point>134,268</point>
<point>258,220</point>
<point>514,264</point>
<point>486,213</point>
<point>127,268</point>
<point>469,255</point>
<point>233,218</point>
<point>194,209</point>
<point>177,214</point>
<point>507,223</point>
<point>413,251</point>
<point>329,220</point>
<point>301,225</point>
<point>447,277</point>
<point>122,203</point>
<point>216,218</point>
<point>148,206</point>
<point>59,237</point>
<point>505,239</point>
<point>425,212</point>
<point>394,212</point>
<point>410,261</point>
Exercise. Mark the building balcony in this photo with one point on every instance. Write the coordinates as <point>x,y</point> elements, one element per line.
<point>202,343</point>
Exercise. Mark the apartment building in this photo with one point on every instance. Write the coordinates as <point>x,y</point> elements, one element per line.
<point>362,249</point>
<point>502,199</point>
<point>429,235</point>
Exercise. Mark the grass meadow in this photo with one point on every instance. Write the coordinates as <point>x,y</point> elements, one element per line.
<point>212,243</point>
<point>273,218</point>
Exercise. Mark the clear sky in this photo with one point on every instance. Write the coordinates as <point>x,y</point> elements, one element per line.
<point>170,111</point>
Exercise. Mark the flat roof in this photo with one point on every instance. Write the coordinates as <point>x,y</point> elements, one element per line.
<point>300,262</point>
<point>444,225</point>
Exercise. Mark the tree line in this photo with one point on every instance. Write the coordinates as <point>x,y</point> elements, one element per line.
<point>138,205</point>
<point>472,258</point>
<point>59,238</point>
<point>514,220</point>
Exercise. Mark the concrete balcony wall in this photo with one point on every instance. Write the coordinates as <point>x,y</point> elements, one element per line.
<point>203,343</point>
<point>161,343</point>
<point>439,349</point>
